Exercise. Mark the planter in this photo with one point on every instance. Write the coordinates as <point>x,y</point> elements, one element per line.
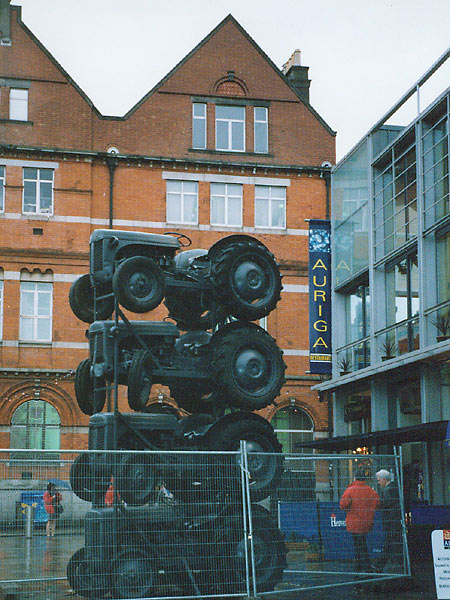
<point>442,338</point>
<point>297,546</point>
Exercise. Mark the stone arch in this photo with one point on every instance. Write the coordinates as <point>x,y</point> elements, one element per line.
<point>25,391</point>
<point>286,402</point>
<point>230,85</point>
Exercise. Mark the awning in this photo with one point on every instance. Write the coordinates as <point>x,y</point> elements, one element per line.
<point>425,432</point>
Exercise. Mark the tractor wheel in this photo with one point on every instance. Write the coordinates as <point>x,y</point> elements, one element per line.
<point>246,280</point>
<point>89,391</point>
<point>138,284</point>
<point>265,461</point>
<point>137,478</point>
<point>83,578</point>
<point>135,574</point>
<point>232,545</point>
<point>248,366</point>
<point>139,380</point>
<point>83,305</point>
<point>88,479</point>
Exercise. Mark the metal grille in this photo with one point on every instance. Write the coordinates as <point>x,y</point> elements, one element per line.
<point>191,524</point>
<point>97,256</point>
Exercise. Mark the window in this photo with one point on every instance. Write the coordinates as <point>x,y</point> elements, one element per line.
<point>226,204</point>
<point>36,299</point>
<point>402,302</point>
<point>230,128</point>
<point>261,130</point>
<point>270,206</point>
<point>1,306</point>
<point>2,189</point>
<point>357,308</point>
<point>35,425</point>
<point>18,104</point>
<point>293,425</point>
<point>182,202</point>
<point>37,190</point>
<point>198,125</point>
<point>443,267</point>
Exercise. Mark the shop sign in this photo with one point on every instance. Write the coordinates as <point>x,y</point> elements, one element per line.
<point>319,296</point>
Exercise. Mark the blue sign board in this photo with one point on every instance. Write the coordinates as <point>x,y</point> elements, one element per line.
<point>319,296</point>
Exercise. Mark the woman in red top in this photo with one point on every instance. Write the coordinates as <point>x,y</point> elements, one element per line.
<point>52,500</point>
<point>360,501</point>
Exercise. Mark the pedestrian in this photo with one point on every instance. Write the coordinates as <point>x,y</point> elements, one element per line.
<point>360,502</point>
<point>391,520</point>
<point>52,505</point>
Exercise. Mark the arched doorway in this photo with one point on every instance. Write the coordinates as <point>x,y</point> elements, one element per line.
<point>292,425</point>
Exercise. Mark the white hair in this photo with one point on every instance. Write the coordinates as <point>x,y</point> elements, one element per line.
<point>383,474</point>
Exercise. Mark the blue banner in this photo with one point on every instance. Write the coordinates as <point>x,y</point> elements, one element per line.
<point>319,296</point>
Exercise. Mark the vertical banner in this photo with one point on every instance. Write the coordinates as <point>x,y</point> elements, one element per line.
<point>319,296</point>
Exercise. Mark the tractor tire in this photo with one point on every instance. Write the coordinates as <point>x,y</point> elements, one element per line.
<point>138,284</point>
<point>83,578</point>
<point>139,380</point>
<point>246,280</point>
<point>232,544</point>
<point>187,311</point>
<point>137,478</point>
<point>265,461</point>
<point>248,367</point>
<point>88,477</point>
<point>83,305</point>
<point>135,574</point>
<point>89,392</point>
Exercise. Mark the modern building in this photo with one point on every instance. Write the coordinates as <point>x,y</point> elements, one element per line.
<point>227,142</point>
<point>391,296</point>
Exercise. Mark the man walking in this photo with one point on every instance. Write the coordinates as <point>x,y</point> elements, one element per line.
<point>390,517</point>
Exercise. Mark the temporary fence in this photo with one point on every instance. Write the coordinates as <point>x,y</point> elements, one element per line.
<point>145,524</point>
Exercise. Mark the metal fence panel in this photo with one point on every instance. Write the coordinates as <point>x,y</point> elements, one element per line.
<point>143,524</point>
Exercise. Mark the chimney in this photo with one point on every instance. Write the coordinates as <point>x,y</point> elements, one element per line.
<point>297,75</point>
<point>5,23</point>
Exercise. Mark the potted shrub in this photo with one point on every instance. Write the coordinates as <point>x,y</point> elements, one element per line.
<point>314,551</point>
<point>294,543</point>
<point>389,349</point>
<point>345,366</point>
<point>442,324</point>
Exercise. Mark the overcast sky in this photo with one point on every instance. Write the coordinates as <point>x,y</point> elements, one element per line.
<point>362,54</point>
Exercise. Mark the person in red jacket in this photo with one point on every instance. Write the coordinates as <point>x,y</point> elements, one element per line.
<point>360,502</point>
<point>52,502</point>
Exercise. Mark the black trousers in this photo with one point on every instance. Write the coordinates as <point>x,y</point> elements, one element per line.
<point>392,547</point>
<point>362,559</point>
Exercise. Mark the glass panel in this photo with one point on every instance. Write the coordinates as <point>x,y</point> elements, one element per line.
<point>173,186</point>
<point>190,209</point>
<point>18,436</point>
<point>355,316</point>
<point>217,211</point>
<point>18,104</point>
<point>443,267</point>
<point>51,415</point>
<point>351,228</point>
<point>29,196</point>
<point>222,135</point>
<point>190,187</point>
<point>234,211</point>
<point>261,138</point>
<point>230,112</point>
<point>261,213</point>
<point>173,208</point>
<point>43,329</point>
<point>278,213</point>
<point>26,329</point>
<point>27,303</point>
<point>237,133</point>
<point>46,174</point>
<point>199,109</point>
<point>30,173</point>
<point>199,133</point>
<point>52,438</point>
<point>414,286</point>
<point>260,113</point>
<point>46,197</point>
<point>44,304</point>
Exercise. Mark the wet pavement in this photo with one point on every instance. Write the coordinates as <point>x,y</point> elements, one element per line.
<point>35,569</point>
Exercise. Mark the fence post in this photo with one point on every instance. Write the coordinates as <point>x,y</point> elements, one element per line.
<point>28,521</point>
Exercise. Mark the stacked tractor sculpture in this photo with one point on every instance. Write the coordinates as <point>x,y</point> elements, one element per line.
<point>213,358</point>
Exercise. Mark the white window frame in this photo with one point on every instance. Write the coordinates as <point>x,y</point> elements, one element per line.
<point>2,188</point>
<point>2,287</point>
<point>18,104</point>
<point>38,183</point>
<point>270,201</point>
<point>223,191</point>
<point>265,122</point>
<point>177,188</point>
<point>199,121</point>
<point>37,289</point>
<point>230,147</point>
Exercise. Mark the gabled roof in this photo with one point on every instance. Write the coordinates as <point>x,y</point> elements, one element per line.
<point>229,19</point>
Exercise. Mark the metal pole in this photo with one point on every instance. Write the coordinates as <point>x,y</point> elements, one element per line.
<point>28,521</point>
<point>244,513</point>
<point>398,474</point>
<point>249,513</point>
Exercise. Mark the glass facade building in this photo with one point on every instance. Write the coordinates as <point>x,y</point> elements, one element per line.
<point>391,296</point>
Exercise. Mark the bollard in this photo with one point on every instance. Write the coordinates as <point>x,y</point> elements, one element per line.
<point>28,521</point>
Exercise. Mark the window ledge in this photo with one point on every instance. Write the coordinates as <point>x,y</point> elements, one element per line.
<point>16,121</point>
<point>228,152</point>
<point>34,344</point>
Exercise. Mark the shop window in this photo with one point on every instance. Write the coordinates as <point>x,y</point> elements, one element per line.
<point>35,425</point>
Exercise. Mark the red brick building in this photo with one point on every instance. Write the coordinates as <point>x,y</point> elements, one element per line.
<point>224,131</point>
